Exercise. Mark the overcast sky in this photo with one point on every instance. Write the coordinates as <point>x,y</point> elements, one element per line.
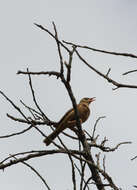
<point>105,24</point>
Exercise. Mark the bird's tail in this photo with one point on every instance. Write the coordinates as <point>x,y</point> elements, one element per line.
<point>51,137</point>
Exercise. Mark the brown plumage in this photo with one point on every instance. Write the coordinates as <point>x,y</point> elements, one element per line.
<point>68,120</point>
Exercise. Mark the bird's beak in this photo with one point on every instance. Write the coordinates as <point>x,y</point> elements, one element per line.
<point>92,99</point>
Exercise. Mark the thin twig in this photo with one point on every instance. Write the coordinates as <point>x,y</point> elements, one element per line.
<point>128,72</point>
<point>46,30</point>
<point>69,65</point>
<point>18,133</point>
<point>36,172</point>
<point>108,72</point>
<point>90,137</point>
<point>31,110</point>
<point>30,121</point>
<point>104,165</point>
<point>101,51</point>
<point>59,49</point>
<point>110,80</point>
<point>108,149</point>
<point>12,103</point>
<point>87,182</point>
<point>95,125</point>
<point>38,130</point>
<point>50,73</point>
<point>133,158</point>
<point>82,177</point>
<point>72,163</point>
<point>34,99</point>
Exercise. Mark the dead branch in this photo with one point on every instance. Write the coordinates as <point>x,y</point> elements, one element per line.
<point>20,154</point>
<point>50,73</point>
<point>46,30</point>
<point>37,154</point>
<point>12,103</point>
<point>18,133</point>
<point>110,80</point>
<point>133,158</point>
<point>82,177</point>
<point>108,149</point>
<point>30,121</point>
<point>101,51</point>
<point>95,125</point>
<point>35,101</point>
<point>36,115</point>
<point>87,182</point>
<point>59,49</point>
<point>128,72</point>
<point>36,172</point>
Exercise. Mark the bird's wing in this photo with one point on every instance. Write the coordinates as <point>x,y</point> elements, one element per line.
<point>66,115</point>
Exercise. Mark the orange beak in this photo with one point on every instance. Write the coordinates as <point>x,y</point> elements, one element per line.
<point>92,99</point>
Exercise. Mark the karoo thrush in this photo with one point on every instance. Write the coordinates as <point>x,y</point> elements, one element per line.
<point>68,120</point>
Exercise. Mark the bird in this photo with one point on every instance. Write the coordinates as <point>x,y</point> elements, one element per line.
<point>69,121</point>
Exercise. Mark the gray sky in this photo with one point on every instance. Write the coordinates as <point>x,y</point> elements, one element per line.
<point>109,25</point>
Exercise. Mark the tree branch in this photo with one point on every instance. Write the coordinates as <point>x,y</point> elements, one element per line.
<point>36,172</point>
<point>128,72</point>
<point>18,133</point>
<point>38,154</point>
<point>46,30</point>
<point>101,51</point>
<point>110,80</point>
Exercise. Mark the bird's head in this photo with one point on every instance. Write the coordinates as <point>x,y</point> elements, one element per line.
<point>87,100</point>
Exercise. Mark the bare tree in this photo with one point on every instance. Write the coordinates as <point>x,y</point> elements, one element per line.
<point>82,159</point>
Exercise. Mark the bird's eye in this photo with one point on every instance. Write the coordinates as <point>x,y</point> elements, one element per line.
<point>86,98</point>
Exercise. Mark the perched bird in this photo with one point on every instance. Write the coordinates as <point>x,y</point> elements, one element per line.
<point>68,120</point>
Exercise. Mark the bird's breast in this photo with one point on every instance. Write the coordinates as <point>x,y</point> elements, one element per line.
<point>84,112</point>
